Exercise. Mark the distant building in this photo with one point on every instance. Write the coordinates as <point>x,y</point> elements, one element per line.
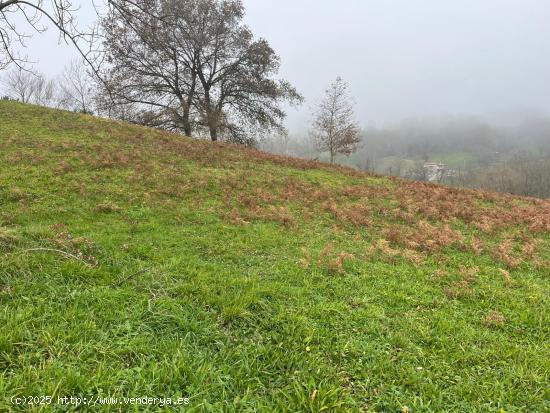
<point>435,172</point>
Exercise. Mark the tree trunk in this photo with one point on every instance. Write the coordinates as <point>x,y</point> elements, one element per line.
<point>211,117</point>
<point>213,132</point>
<point>187,128</point>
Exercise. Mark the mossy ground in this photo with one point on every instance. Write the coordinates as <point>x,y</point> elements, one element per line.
<point>250,282</point>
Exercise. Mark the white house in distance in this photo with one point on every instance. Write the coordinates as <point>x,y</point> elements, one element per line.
<point>435,172</point>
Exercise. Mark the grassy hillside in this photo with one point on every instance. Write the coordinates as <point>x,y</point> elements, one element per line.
<point>138,263</point>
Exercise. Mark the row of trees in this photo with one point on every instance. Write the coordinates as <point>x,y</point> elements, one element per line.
<point>192,66</point>
<point>74,89</point>
<point>524,174</point>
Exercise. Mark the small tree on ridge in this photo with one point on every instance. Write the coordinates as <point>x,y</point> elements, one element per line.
<point>334,127</point>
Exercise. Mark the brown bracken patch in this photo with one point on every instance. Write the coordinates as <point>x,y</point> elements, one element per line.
<point>494,319</point>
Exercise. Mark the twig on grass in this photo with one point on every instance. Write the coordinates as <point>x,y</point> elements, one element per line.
<point>67,254</point>
<point>128,278</point>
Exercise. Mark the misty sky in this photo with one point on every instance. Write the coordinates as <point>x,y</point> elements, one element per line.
<point>402,58</point>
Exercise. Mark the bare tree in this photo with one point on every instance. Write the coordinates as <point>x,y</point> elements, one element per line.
<point>29,87</point>
<point>334,127</point>
<point>149,66</point>
<point>194,65</point>
<point>61,14</point>
<point>38,14</point>
<point>240,97</point>
<point>45,91</point>
<point>19,85</point>
<point>77,88</point>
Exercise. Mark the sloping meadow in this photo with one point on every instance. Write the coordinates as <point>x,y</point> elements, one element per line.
<point>137,262</point>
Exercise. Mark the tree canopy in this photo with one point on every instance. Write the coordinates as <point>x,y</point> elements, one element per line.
<point>195,69</point>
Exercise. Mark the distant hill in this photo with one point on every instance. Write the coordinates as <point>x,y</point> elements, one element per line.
<point>135,262</point>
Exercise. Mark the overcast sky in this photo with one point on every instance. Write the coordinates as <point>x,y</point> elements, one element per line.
<point>402,58</point>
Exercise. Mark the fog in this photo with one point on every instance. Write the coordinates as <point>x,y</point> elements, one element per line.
<point>415,58</point>
<point>402,58</point>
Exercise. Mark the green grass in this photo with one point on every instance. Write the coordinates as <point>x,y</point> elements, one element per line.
<point>200,273</point>
<point>456,159</point>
